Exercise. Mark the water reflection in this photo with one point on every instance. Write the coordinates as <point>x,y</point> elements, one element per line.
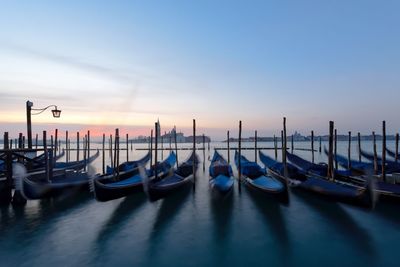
<point>221,210</point>
<point>343,223</point>
<point>127,208</point>
<point>167,211</point>
<point>270,209</point>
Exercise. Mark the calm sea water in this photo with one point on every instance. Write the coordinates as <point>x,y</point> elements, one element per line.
<point>196,229</point>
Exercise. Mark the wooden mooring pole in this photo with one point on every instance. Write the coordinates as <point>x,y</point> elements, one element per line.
<point>229,149</point>
<point>66,147</point>
<point>384,151</point>
<point>151,148</point>
<point>284,160</point>
<point>359,146</point>
<point>292,147</point>
<point>330,158</point>
<point>127,147</point>
<point>320,145</point>
<point>375,155</point>
<point>46,156</point>
<point>156,151</point>
<point>255,146</point>
<point>349,153</point>
<point>194,151</point>
<point>276,147</point>
<point>176,148</point>
<point>335,152</point>
<point>240,156</point>
<point>6,188</point>
<point>396,157</point>
<point>104,155</point>
<point>312,146</point>
<point>204,153</point>
<point>77,146</point>
<point>56,143</point>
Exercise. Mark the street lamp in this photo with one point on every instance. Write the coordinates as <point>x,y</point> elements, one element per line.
<point>56,114</point>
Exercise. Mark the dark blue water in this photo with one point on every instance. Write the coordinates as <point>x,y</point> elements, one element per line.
<point>196,229</point>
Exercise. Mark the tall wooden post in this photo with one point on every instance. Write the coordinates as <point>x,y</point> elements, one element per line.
<point>88,146</point>
<point>6,190</point>
<point>384,151</point>
<point>292,143</point>
<point>312,146</point>
<point>156,151</point>
<point>330,158</point>
<point>115,150</point>
<point>194,151</point>
<point>282,140</point>
<point>170,142</point>
<point>335,152</point>
<point>284,160</point>
<point>397,148</point>
<point>359,146</point>
<point>46,156</point>
<point>375,155</point>
<point>320,144</point>
<point>20,140</point>
<point>77,146</point>
<point>162,147</point>
<point>151,149</point>
<point>276,147</point>
<point>110,147</point>
<point>66,147</point>
<point>204,152</point>
<point>84,141</point>
<point>36,140</point>
<point>255,146</point>
<point>240,155</point>
<point>176,148</point>
<point>56,143</point>
<point>229,149</point>
<point>5,141</point>
<point>51,160</point>
<point>117,145</point>
<point>349,152</point>
<point>104,155</point>
<point>127,147</point>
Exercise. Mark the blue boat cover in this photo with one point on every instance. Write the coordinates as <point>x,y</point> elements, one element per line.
<point>328,187</point>
<point>135,179</point>
<point>170,180</point>
<point>267,182</point>
<point>222,183</point>
<point>219,166</point>
<point>129,165</point>
<point>248,168</point>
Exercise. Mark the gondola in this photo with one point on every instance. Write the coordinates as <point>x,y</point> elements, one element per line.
<point>163,184</point>
<point>315,184</point>
<point>221,179</point>
<point>63,181</point>
<point>256,179</point>
<point>385,189</point>
<point>128,179</point>
<point>391,166</point>
<point>357,167</point>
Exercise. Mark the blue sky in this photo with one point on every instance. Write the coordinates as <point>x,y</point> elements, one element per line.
<point>127,63</point>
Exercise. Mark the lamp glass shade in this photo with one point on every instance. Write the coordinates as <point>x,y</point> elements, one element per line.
<point>56,113</point>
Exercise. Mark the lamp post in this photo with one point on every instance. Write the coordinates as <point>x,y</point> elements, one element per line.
<point>56,114</point>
